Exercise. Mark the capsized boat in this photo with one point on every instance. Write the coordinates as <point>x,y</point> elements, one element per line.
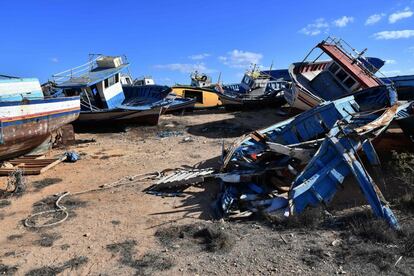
<point>28,117</point>
<point>201,89</point>
<point>312,153</point>
<point>102,95</point>
<point>346,72</point>
<point>171,102</point>
<point>257,89</point>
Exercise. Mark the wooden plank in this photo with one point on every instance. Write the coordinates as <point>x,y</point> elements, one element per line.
<point>51,165</point>
<point>6,172</point>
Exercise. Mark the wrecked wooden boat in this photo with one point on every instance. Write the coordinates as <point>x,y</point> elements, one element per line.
<point>257,89</point>
<point>201,90</point>
<point>302,161</point>
<point>28,117</point>
<point>102,95</point>
<point>318,80</point>
<point>171,103</point>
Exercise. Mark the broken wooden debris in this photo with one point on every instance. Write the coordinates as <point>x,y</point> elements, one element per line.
<point>313,152</point>
<point>180,179</point>
<point>31,164</point>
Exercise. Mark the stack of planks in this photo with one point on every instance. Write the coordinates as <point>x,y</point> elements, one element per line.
<point>31,164</point>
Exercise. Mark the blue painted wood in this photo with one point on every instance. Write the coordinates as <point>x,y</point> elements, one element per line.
<point>335,157</point>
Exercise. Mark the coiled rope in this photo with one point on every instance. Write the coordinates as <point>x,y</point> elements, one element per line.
<point>62,209</point>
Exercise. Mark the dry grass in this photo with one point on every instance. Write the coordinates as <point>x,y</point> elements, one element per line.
<point>211,237</point>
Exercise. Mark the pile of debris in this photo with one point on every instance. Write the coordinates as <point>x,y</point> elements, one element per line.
<point>303,161</point>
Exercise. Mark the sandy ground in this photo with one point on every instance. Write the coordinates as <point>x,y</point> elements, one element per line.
<point>117,231</point>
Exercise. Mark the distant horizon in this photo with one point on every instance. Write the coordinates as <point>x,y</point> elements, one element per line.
<point>168,42</point>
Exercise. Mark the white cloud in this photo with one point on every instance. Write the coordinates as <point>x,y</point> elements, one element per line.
<point>54,60</point>
<point>390,61</point>
<point>391,72</point>
<point>375,18</point>
<point>318,26</point>
<point>199,56</point>
<point>343,21</point>
<point>394,17</point>
<point>240,59</point>
<point>394,34</point>
<point>184,67</point>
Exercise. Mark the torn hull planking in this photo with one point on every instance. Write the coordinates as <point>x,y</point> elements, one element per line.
<point>304,131</point>
<point>346,124</point>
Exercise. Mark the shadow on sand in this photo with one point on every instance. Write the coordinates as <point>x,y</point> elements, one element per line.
<point>241,123</point>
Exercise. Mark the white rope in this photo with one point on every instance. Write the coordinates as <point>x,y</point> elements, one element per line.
<point>59,208</point>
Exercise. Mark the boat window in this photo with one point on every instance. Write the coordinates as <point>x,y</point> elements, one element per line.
<point>333,68</point>
<point>349,82</point>
<point>246,80</point>
<point>341,75</point>
<point>111,80</point>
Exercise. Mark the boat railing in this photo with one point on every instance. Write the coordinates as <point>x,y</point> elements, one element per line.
<point>8,77</point>
<point>81,70</point>
<point>352,53</point>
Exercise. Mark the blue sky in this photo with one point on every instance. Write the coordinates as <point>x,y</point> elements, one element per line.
<point>168,39</point>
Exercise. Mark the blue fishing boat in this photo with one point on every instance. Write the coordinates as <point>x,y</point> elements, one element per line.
<point>171,102</point>
<point>302,161</point>
<point>28,117</point>
<point>102,95</point>
<point>257,89</point>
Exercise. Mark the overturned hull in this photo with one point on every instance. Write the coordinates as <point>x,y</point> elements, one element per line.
<point>27,124</point>
<point>303,160</point>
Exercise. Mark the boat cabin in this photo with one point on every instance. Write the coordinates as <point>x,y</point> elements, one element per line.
<point>346,72</point>
<point>200,80</point>
<point>98,82</point>
<point>253,80</point>
<point>126,79</point>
